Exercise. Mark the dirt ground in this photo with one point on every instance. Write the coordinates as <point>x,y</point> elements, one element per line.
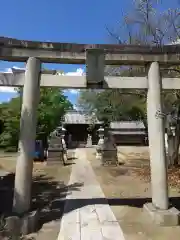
<point>123,186</point>
<point>49,189</point>
<point>127,193</point>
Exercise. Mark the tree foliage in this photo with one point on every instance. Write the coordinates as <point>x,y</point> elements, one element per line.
<point>51,108</point>
<point>145,24</point>
<point>115,105</point>
<point>10,115</point>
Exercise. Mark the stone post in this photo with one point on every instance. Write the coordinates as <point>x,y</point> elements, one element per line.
<point>95,63</point>
<point>156,132</point>
<point>24,167</point>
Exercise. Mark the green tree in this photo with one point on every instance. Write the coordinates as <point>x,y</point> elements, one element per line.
<point>10,115</point>
<point>115,105</point>
<point>146,24</point>
<point>51,108</point>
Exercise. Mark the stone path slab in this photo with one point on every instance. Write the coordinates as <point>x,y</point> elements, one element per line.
<point>87,214</point>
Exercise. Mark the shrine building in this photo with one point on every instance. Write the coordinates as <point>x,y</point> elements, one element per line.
<point>76,123</point>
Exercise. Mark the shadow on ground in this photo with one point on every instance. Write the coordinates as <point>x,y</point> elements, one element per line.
<point>73,204</point>
<point>48,196</point>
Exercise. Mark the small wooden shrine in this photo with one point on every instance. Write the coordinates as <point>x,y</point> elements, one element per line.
<point>125,132</point>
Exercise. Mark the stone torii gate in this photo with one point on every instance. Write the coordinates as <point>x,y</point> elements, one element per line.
<point>95,57</point>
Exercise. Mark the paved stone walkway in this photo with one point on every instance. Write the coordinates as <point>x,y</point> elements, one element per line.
<point>87,214</point>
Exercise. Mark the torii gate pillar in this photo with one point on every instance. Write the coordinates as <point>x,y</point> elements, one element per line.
<point>156,139</point>
<point>24,167</point>
<point>159,208</point>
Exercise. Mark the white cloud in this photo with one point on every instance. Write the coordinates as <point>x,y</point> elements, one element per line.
<point>79,72</point>
<point>71,91</point>
<point>10,70</point>
<point>8,89</point>
<point>76,107</point>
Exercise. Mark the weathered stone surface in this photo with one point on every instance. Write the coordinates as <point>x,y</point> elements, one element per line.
<point>109,151</point>
<point>55,150</point>
<point>168,217</point>
<point>29,222</point>
<point>13,225</point>
<point>26,224</point>
<point>55,157</point>
<point>100,147</point>
<point>156,137</point>
<point>73,47</point>
<point>109,157</point>
<point>55,144</point>
<point>27,133</point>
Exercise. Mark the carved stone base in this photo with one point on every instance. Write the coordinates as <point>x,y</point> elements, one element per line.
<point>167,218</point>
<point>15,225</point>
<point>55,157</point>
<point>109,157</point>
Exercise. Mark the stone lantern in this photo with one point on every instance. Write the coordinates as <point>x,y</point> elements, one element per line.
<point>109,151</point>
<point>106,148</point>
<point>100,143</point>
<point>61,132</point>
<point>101,133</point>
<point>91,120</point>
<point>55,150</point>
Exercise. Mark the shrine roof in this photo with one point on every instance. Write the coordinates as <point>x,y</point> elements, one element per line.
<point>78,117</point>
<point>135,132</point>
<point>127,125</point>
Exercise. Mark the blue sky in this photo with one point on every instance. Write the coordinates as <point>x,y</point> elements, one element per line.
<point>79,21</point>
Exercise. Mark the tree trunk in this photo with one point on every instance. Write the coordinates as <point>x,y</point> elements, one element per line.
<point>173,143</point>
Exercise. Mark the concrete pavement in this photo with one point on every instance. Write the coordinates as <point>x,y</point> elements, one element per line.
<point>87,214</point>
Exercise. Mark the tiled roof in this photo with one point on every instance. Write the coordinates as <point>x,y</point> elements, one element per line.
<point>127,125</point>
<point>135,132</point>
<point>76,117</point>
